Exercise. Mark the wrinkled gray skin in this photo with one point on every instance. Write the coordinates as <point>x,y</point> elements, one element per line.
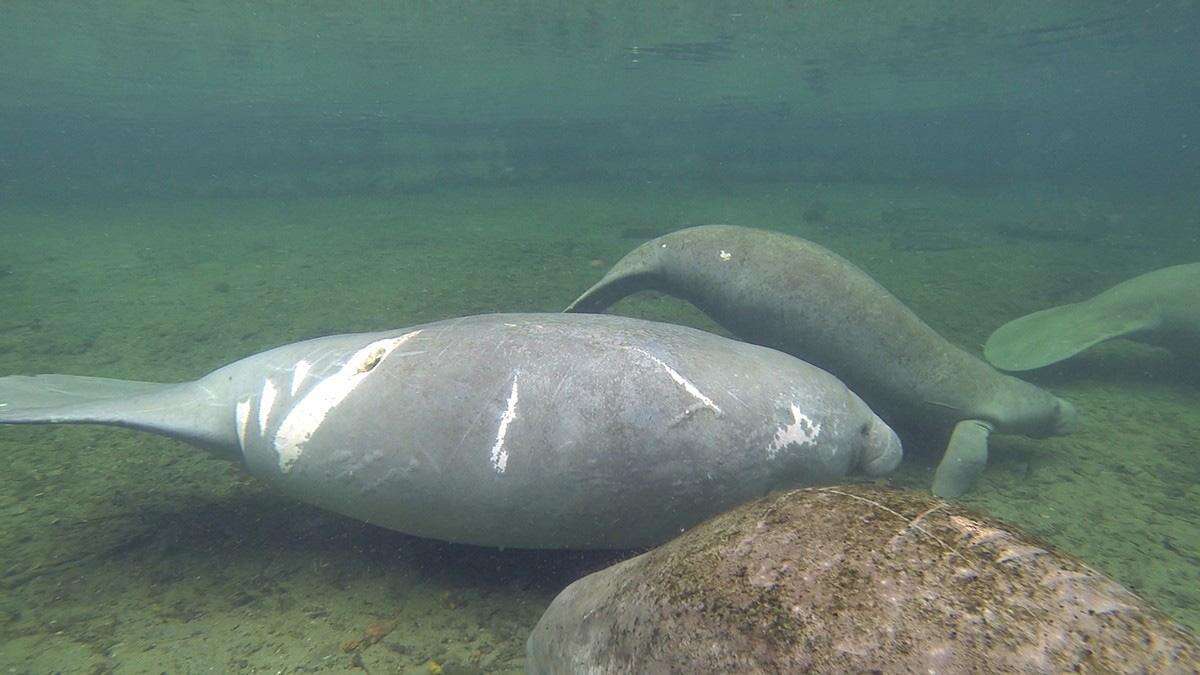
<point>521,430</point>
<point>854,579</point>
<point>790,294</point>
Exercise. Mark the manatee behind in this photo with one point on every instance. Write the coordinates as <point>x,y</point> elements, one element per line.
<point>176,410</point>
<point>1160,308</point>
<point>1052,335</point>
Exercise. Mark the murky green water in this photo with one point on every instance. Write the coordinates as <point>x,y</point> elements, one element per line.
<point>185,184</point>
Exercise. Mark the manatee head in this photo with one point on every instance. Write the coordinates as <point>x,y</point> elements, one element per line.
<point>1022,408</point>
<point>881,451</point>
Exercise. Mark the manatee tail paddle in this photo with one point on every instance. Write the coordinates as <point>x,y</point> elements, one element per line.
<point>1054,334</point>
<point>174,410</point>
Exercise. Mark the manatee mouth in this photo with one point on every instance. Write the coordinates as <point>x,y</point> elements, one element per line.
<point>882,452</point>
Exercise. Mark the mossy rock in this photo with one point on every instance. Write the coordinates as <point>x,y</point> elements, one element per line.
<point>854,579</point>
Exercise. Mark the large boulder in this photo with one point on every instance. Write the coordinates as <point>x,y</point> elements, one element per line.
<point>854,579</point>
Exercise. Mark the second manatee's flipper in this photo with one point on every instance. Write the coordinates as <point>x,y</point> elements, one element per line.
<point>965,458</point>
<point>1054,334</point>
<point>182,411</point>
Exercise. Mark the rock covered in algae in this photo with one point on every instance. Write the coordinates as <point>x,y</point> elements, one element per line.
<point>853,579</point>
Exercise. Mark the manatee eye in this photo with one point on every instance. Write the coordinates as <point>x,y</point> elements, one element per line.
<point>865,429</point>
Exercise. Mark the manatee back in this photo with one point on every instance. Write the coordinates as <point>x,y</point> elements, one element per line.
<point>552,430</point>
<point>791,294</point>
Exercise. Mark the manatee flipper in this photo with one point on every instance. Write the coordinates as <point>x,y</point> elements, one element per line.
<point>1051,335</point>
<point>965,458</point>
<point>178,410</point>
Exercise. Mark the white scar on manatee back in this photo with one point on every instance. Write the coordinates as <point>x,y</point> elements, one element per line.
<point>299,373</point>
<point>682,381</point>
<point>242,413</point>
<point>499,454</point>
<point>306,415</point>
<point>266,401</point>
<point>802,431</point>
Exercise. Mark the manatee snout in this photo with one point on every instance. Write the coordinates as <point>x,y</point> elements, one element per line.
<point>881,450</point>
<point>1066,421</point>
<point>1021,408</point>
<point>1053,417</point>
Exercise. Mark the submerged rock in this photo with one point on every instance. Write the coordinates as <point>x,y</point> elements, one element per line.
<point>853,579</point>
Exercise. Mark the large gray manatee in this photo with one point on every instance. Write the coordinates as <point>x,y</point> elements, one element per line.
<point>785,292</point>
<point>521,430</point>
